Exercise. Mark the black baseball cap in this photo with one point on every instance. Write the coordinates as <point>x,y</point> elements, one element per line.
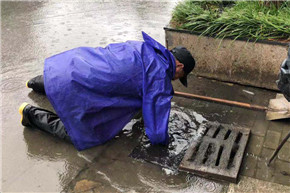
<point>185,57</point>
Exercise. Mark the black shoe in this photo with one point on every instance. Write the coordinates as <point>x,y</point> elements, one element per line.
<point>37,84</point>
<point>23,110</point>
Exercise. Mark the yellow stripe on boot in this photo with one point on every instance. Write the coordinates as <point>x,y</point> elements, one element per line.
<point>26,84</point>
<point>21,108</point>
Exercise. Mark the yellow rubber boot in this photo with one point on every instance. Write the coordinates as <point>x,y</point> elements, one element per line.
<point>21,108</point>
<point>26,84</point>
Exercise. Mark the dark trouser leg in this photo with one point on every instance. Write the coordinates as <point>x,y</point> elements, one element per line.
<point>47,121</point>
<point>37,84</point>
<point>138,115</point>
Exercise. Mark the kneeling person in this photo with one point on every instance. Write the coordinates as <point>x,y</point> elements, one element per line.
<point>97,91</point>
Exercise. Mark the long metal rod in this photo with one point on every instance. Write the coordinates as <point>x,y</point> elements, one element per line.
<point>278,149</point>
<point>222,101</point>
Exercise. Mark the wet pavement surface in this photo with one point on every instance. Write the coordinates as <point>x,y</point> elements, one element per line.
<point>265,135</point>
<point>36,162</point>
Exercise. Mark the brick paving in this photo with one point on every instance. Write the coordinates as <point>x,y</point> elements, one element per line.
<point>265,135</point>
<point>272,139</point>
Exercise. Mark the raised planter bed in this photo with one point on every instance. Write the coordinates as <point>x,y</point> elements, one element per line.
<point>238,61</point>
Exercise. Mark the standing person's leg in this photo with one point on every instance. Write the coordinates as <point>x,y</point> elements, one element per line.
<point>43,120</point>
<point>37,84</point>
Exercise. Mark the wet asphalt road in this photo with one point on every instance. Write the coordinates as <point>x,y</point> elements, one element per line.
<point>33,31</point>
<point>35,162</point>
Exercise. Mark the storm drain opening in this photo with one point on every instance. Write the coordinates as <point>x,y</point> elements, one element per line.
<point>217,163</point>
<point>219,154</point>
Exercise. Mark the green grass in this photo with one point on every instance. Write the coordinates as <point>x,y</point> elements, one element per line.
<point>241,19</point>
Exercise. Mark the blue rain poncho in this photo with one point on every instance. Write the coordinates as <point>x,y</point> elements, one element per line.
<point>97,91</point>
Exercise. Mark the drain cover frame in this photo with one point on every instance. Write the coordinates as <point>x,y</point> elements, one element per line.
<point>219,154</point>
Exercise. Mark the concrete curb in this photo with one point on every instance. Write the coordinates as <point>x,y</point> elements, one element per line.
<point>238,61</point>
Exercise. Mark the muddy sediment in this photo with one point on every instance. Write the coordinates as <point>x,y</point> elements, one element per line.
<point>184,126</point>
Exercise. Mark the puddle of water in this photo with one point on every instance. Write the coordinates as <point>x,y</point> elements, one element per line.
<point>192,184</point>
<point>185,126</point>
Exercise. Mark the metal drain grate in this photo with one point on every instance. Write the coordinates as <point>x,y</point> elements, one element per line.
<point>219,154</point>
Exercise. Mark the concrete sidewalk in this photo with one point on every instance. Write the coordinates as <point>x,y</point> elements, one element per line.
<point>265,135</point>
